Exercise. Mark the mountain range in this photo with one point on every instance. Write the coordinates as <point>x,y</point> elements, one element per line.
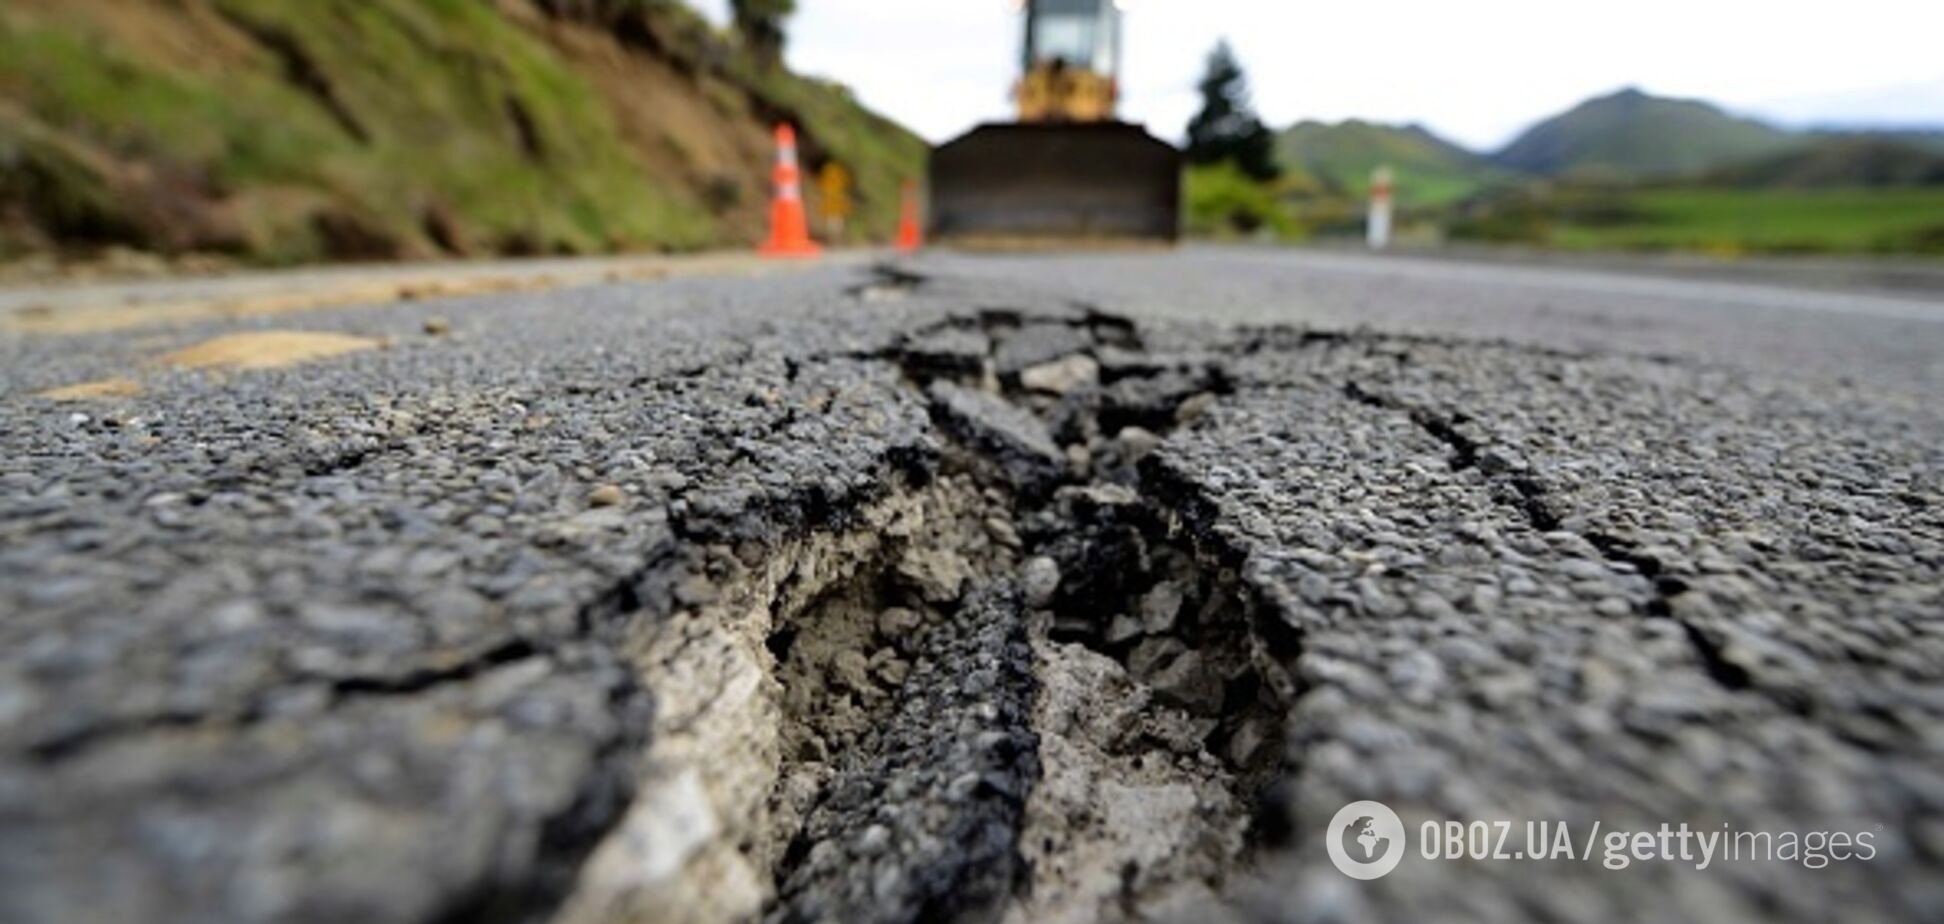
<point>1627,135</point>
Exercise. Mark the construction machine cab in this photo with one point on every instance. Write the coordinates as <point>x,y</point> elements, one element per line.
<point>1071,66</point>
<point>1081,33</point>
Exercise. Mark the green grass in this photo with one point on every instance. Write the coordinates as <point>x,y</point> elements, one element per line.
<point>427,85</point>
<point>432,82</point>
<point>1223,203</point>
<point>376,115</point>
<point>1730,220</point>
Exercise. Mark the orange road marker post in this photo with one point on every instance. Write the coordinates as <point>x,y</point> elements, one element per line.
<point>789,226</point>
<point>910,235</point>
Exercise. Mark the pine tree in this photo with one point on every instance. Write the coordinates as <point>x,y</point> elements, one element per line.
<point>1227,128</point>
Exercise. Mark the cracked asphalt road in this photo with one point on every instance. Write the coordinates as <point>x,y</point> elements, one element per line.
<point>377,637</point>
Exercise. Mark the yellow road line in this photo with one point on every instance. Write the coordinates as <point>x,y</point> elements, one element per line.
<point>309,294</point>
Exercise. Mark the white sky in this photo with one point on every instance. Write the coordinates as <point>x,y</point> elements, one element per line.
<point>1477,71</point>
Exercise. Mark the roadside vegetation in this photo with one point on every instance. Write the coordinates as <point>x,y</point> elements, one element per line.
<point>1622,172</point>
<point>1224,203</point>
<point>285,131</point>
<point>1234,186</point>
<point>1723,222</point>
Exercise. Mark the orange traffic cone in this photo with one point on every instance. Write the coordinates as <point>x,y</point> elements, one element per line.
<point>910,238</point>
<point>789,229</point>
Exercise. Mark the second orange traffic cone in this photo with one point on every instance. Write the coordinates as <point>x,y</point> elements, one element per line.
<point>789,227</point>
<point>910,237</point>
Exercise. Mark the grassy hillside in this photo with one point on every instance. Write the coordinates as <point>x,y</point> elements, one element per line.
<point>1429,170</point>
<point>1632,134</point>
<point>1837,162</point>
<point>1929,139</point>
<point>295,130</point>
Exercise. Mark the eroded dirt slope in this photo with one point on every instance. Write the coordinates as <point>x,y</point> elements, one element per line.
<point>288,131</point>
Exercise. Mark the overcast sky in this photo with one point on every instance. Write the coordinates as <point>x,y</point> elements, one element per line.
<point>1476,71</point>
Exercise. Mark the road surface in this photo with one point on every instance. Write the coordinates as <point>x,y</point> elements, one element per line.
<point>1028,588</point>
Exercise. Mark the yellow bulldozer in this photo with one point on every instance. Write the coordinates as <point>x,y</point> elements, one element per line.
<point>1068,172</point>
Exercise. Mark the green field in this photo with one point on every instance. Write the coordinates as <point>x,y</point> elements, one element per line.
<point>1729,221</point>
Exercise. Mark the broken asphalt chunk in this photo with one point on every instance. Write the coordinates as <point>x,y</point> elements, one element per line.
<point>1011,436</point>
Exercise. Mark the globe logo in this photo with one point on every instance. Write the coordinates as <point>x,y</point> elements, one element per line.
<point>1364,832</point>
<point>1365,840</point>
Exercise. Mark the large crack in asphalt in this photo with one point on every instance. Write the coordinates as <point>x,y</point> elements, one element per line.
<point>1012,686</point>
<point>1020,679</point>
<point>1021,657</point>
<point>1023,682</point>
<point>1017,615</point>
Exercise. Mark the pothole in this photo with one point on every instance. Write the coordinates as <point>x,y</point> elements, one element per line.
<point>1016,690</point>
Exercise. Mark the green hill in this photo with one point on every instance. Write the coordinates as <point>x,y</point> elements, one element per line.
<point>1838,161</point>
<point>1929,139</point>
<point>1429,170</point>
<point>1631,134</point>
<point>294,130</point>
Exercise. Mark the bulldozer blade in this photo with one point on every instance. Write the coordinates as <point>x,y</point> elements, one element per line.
<point>1055,184</point>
